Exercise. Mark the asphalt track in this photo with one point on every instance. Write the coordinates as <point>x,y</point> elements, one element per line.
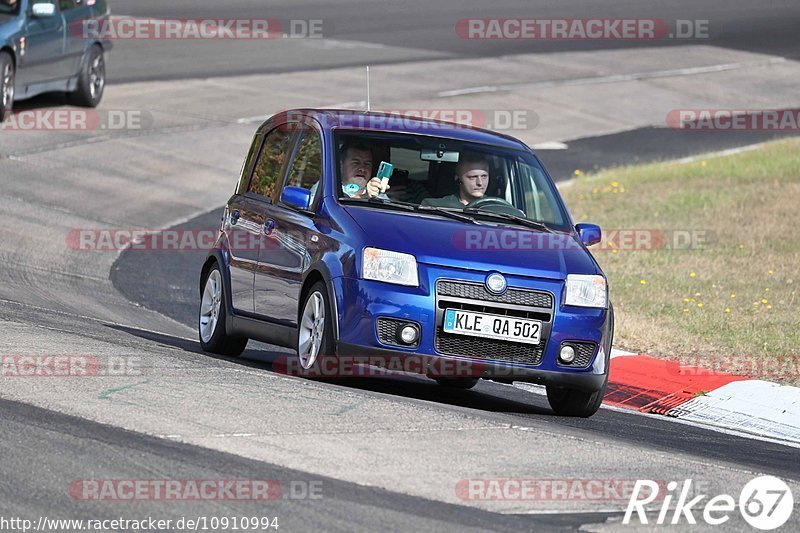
<point>142,277</point>
<point>391,31</point>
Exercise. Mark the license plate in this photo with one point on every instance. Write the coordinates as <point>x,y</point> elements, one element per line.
<point>507,328</point>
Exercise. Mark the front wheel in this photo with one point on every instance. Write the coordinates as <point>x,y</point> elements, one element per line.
<point>573,402</point>
<point>457,383</point>
<point>91,79</point>
<point>315,330</point>
<point>7,77</point>
<point>211,324</point>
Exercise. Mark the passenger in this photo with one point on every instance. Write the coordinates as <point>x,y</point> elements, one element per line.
<point>472,177</point>
<point>356,169</point>
<point>355,165</point>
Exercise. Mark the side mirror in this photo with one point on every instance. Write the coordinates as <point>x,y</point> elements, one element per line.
<point>589,233</point>
<point>43,10</point>
<point>296,197</point>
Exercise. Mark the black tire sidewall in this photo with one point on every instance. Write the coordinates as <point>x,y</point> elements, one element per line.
<point>327,349</point>
<point>5,59</point>
<point>220,342</point>
<point>82,95</point>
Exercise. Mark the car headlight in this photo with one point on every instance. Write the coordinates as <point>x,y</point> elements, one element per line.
<point>586,291</point>
<point>391,267</point>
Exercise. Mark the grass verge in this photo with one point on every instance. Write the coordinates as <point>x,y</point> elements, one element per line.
<point>702,258</point>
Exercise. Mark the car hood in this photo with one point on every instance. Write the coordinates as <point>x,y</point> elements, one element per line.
<point>513,250</point>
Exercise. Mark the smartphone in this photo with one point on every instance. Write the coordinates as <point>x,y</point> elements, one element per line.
<point>384,173</point>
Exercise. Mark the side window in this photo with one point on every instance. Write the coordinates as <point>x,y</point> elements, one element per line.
<point>247,166</point>
<point>267,172</point>
<point>67,4</point>
<point>307,165</point>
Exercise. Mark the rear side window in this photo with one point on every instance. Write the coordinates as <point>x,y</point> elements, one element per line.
<point>307,165</point>
<point>269,167</point>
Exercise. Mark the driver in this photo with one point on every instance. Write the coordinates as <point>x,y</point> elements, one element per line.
<point>472,177</point>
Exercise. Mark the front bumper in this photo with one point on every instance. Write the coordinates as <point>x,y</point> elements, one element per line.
<point>361,302</point>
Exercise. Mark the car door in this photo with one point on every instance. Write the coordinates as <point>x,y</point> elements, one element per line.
<point>44,48</point>
<point>287,249</point>
<point>246,213</point>
<point>74,13</point>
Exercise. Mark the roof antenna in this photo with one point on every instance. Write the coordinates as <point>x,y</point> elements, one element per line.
<point>368,103</point>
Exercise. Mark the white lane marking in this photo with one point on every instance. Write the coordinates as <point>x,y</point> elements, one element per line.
<point>615,78</point>
<point>620,353</point>
<point>721,153</point>
<point>551,145</point>
<point>733,431</point>
<point>342,105</point>
<point>756,406</point>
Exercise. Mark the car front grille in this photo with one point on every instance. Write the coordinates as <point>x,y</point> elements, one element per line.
<point>489,349</point>
<point>523,303</point>
<point>477,291</point>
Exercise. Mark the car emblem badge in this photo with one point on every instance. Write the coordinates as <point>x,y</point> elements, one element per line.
<point>496,283</point>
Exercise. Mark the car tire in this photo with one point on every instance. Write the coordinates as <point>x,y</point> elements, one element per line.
<point>211,322</point>
<point>315,331</point>
<point>457,383</point>
<point>91,79</point>
<point>7,78</point>
<point>571,402</point>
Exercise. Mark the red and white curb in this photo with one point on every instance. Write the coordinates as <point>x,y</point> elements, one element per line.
<point>699,396</point>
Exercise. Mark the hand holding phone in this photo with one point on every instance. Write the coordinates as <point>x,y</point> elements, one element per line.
<point>384,173</point>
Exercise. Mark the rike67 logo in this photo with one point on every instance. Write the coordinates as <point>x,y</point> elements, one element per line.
<point>766,503</point>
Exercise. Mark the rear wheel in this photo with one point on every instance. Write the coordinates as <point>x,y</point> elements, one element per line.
<point>91,80</point>
<point>211,324</point>
<point>7,77</point>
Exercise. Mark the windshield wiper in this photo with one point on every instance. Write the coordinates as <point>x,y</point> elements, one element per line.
<point>379,201</point>
<point>448,213</point>
<point>508,216</point>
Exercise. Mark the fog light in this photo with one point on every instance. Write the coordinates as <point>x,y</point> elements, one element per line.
<point>409,334</point>
<point>567,354</point>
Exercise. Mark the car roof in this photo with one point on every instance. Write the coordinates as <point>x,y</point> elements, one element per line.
<point>394,123</point>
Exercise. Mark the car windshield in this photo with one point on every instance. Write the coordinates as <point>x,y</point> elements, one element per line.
<point>9,7</point>
<point>483,182</point>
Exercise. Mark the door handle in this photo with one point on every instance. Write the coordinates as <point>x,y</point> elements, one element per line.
<point>235,217</point>
<point>269,225</point>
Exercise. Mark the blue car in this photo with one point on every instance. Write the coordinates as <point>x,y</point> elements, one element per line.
<point>43,48</point>
<point>357,237</point>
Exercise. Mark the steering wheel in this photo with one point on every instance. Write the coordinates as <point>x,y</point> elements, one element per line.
<point>488,201</point>
<point>492,201</point>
